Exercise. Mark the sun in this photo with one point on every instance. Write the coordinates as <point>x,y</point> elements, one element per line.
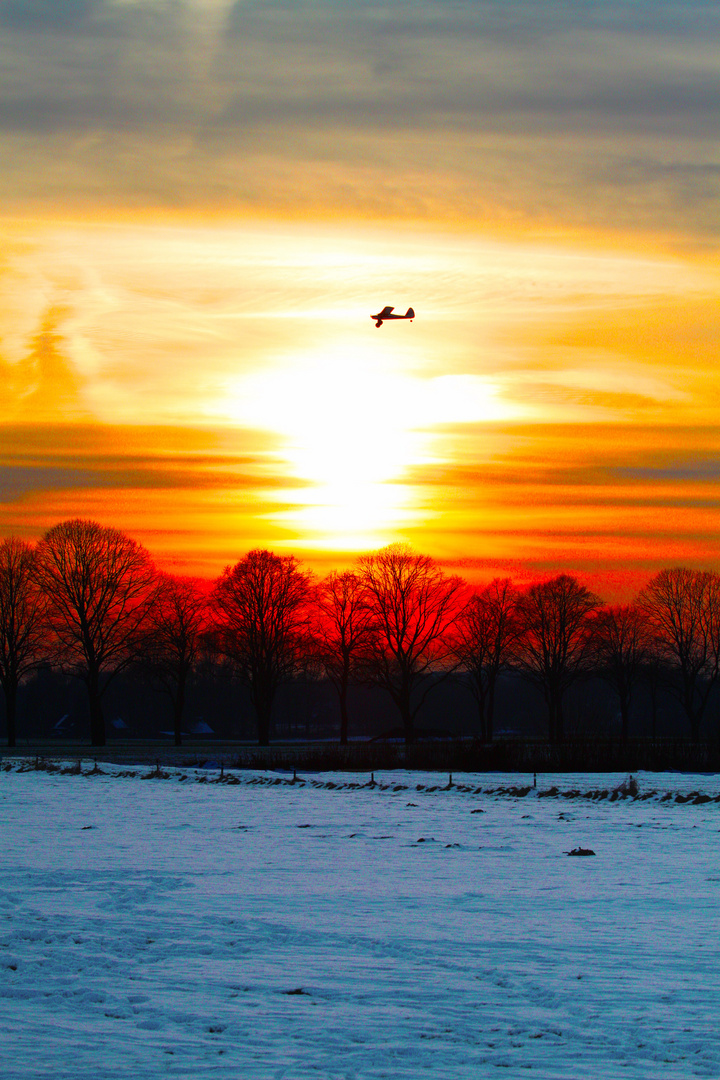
<point>351,427</point>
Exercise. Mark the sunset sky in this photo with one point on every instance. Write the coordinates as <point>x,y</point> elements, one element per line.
<point>203,201</point>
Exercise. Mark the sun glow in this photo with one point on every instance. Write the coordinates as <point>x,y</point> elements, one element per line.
<point>351,429</point>
<point>214,389</point>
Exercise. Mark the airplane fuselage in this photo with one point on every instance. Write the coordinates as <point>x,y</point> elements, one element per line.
<point>387,314</point>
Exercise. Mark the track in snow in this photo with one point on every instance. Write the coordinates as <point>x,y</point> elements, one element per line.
<point>256,929</point>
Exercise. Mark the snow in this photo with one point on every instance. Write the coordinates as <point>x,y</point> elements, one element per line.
<point>264,929</point>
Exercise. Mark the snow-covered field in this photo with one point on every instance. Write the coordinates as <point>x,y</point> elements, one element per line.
<point>262,929</point>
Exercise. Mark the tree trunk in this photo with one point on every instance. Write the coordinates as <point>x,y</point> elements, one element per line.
<point>11,712</point>
<point>490,722</point>
<point>653,686</point>
<point>480,696</point>
<point>263,731</point>
<point>97,720</point>
<point>263,709</point>
<point>693,711</point>
<point>560,722</point>
<point>555,717</point>
<point>481,719</point>
<point>407,716</point>
<point>552,726</point>
<point>343,713</point>
<point>262,693</point>
<point>179,709</point>
<point>625,714</point>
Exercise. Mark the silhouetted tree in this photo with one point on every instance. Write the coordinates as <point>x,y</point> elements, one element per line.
<point>176,629</point>
<point>342,630</point>
<point>262,605</point>
<point>22,623</point>
<point>484,643</point>
<point>683,610</point>
<point>554,644</point>
<point>622,648</point>
<point>99,585</point>
<point>413,604</point>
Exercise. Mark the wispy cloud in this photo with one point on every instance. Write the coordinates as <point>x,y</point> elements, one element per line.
<point>547,116</point>
<point>547,110</point>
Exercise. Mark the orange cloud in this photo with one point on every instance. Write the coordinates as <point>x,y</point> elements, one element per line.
<point>211,389</point>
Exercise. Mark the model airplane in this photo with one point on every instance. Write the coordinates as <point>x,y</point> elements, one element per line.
<point>387,313</point>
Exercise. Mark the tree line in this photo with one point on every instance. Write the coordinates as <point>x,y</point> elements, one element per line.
<point>88,600</point>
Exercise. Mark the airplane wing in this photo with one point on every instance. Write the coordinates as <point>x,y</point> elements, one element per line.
<point>386,310</point>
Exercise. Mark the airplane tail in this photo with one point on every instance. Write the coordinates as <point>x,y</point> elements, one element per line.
<point>409,314</point>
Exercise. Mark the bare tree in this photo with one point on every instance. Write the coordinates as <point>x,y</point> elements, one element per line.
<point>342,631</point>
<point>177,625</point>
<point>23,630</point>
<point>683,610</point>
<point>554,645</point>
<point>262,605</point>
<point>484,643</point>
<point>413,604</point>
<point>99,585</point>
<point>622,648</point>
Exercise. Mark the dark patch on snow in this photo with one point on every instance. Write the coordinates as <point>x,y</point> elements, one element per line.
<point>628,789</point>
